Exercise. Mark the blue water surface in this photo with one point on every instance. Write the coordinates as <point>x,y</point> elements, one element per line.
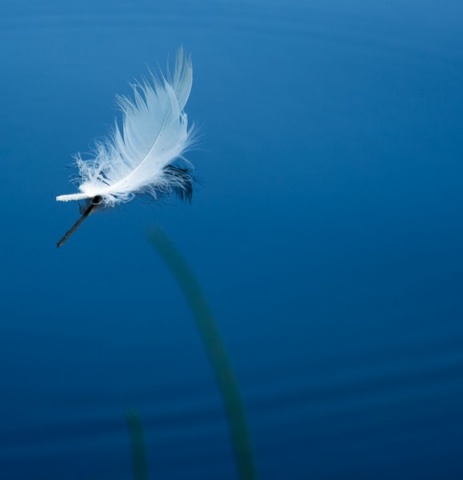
<point>326,231</point>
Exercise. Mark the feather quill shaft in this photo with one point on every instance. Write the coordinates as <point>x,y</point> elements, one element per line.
<point>76,225</point>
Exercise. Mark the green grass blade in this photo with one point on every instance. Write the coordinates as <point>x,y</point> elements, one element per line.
<point>210,335</point>
<point>139,457</point>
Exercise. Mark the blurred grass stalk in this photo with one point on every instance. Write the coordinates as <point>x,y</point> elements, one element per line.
<point>210,335</point>
<point>139,457</point>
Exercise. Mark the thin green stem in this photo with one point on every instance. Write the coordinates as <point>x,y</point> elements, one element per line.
<point>215,349</point>
<point>139,457</point>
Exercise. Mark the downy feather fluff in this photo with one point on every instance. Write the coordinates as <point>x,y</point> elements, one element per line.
<point>137,157</point>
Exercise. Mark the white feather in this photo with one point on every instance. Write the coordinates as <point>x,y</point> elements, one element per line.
<point>154,133</point>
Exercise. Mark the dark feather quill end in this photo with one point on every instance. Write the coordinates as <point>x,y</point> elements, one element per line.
<point>90,206</point>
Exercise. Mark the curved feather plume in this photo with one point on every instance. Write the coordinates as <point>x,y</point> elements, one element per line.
<point>137,158</point>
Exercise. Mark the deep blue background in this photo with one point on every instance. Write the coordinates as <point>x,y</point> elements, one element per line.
<point>326,231</point>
